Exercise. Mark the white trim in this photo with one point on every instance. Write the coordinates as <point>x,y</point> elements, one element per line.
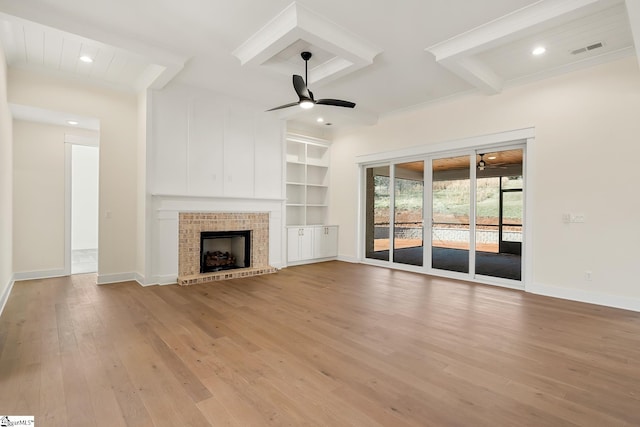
<point>527,220</point>
<point>39,274</point>
<point>445,147</point>
<point>67,206</point>
<point>5,295</point>
<point>140,279</point>
<point>349,259</point>
<point>69,141</point>
<point>215,197</point>
<point>305,139</point>
<point>584,296</point>
<point>633,12</point>
<point>90,141</point>
<point>169,279</point>
<point>104,279</point>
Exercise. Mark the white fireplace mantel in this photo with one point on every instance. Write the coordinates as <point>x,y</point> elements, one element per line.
<point>164,234</point>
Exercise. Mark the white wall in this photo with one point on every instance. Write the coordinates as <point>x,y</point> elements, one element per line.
<point>586,155</point>
<point>84,197</point>
<point>6,186</point>
<point>39,201</point>
<point>117,113</point>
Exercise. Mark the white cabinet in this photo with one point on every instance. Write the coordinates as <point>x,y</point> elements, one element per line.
<point>299,243</point>
<point>238,153</point>
<point>209,145</point>
<point>325,241</point>
<point>205,169</point>
<point>311,243</point>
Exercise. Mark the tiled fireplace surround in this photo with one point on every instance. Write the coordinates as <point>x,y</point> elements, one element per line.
<point>190,224</point>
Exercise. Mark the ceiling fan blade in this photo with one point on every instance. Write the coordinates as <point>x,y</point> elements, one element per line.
<point>300,87</point>
<point>336,103</point>
<point>284,106</point>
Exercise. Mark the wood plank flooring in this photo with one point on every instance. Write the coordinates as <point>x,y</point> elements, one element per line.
<point>331,344</point>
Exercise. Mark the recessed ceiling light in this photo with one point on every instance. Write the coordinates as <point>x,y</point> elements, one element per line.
<point>538,50</point>
<point>86,58</point>
<point>319,120</point>
<point>72,122</point>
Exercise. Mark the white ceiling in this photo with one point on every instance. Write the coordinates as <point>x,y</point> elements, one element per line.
<point>385,56</point>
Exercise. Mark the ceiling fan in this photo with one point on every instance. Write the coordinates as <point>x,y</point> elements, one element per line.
<point>306,96</point>
<point>482,165</point>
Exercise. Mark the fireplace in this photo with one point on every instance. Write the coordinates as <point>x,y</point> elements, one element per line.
<point>253,260</point>
<point>224,250</point>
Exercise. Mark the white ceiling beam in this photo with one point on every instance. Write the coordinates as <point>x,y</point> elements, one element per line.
<point>459,53</point>
<point>296,22</point>
<point>633,10</point>
<point>477,73</point>
<point>504,28</point>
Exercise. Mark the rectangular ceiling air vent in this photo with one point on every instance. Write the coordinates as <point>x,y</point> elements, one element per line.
<point>587,48</point>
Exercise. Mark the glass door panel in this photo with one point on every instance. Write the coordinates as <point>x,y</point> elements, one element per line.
<point>451,207</point>
<point>378,216</point>
<point>408,213</point>
<point>499,207</point>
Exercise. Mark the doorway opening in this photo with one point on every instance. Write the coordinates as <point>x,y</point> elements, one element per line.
<point>84,163</point>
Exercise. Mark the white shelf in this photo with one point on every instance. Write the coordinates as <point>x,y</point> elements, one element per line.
<point>307,181</point>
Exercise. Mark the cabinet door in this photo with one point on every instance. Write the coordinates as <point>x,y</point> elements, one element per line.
<point>326,241</point>
<point>169,142</point>
<point>293,244</point>
<point>306,243</point>
<point>299,243</point>
<point>268,156</point>
<point>206,147</point>
<point>238,153</point>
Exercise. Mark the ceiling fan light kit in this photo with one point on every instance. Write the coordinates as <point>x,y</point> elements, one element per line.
<point>306,99</point>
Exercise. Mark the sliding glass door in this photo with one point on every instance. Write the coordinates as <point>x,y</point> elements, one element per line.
<point>408,197</point>
<point>499,214</point>
<point>475,210</point>
<point>378,212</point>
<point>450,215</point>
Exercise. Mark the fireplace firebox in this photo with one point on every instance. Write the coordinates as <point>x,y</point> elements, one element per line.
<point>224,250</point>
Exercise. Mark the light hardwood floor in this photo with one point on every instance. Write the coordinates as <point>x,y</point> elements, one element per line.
<point>331,344</point>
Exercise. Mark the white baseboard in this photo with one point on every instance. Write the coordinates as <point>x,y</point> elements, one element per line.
<point>104,279</point>
<point>140,279</point>
<point>590,297</point>
<point>351,259</point>
<point>40,274</point>
<point>170,279</point>
<point>5,295</point>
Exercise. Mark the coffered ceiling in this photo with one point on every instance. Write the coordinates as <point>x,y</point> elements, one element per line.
<point>385,56</point>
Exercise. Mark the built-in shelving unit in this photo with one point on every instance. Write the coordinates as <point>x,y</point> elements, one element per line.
<point>309,238</point>
<point>307,180</point>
